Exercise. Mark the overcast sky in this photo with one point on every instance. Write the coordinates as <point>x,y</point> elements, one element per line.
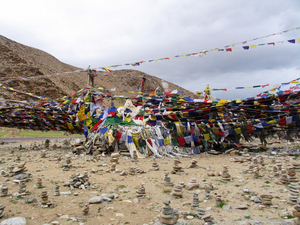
<point>102,33</point>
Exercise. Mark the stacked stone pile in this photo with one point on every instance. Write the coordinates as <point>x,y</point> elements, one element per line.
<point>266,199</point>
<point>168,215</point>
<point>79,181</point>
<point>2,210</point>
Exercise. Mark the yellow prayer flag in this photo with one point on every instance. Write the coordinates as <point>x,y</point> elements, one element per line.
<point>238,130</point>
<point>167,141</point>
<point>81,114</point>
<point>294,82</point>
<point>298,40</point>
<point>127,119</point>
<point>182,55</point>
<point>70,126</point>
<point>206,137</point>
<point>249,87</point>
<point>253,46</point>
<point>273,89</point>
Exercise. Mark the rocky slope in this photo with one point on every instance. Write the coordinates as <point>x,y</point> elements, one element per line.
<point>18,60</point>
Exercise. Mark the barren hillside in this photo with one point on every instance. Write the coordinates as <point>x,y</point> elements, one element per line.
<point>17,60</point>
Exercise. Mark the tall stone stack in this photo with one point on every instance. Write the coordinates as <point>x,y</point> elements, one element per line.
<point>275,171</point>
<point>19,172</point>
<point>4,190</point>
<point>44,197</point>
<point>141,192</point>
<point>195,203</point>
<point>115,158</point>
<point>131,170</point>
<point>294,193</point>
<point>193,164</point>
<point>256,173</point>
<point>177,192</point>
<point>2,210</point>
<point>225,175</point>
<point>176,168</point>
<point>266,199</point>
<point>167,180</point>
<point>193,184</point>
<point>296,212</point>
<point>56,191</point>
<point>284,177</point>
<point>292,174</point>
<point>154,166</point>
<point>296,166</point>
<point>168,215</point>
<point>39,183</point>
<point>22,189</point>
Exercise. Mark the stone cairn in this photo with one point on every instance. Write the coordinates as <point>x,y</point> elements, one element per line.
<point>19,172</point>
<point>167,180</point>
<point>78,147</point>
<point>2,210</point>
<point>279,166</point>
<point>176,168</point>
<point>225,174</point>
<point>284,177</point>
<point>275,171</point>
<point>218,199</point>
<point>39,183</point>
<point>168,215</point>
<point>56,191</point>
<point>79,181</point>
<point>208,219</point>
<point>22,189</point>
<point>4,190</point>
<point>134,157</point>
<point>261,161</point>
<point>193,184</point>
<point>44,197</point>
<point>86,209</point>
<point>193,164</point>
<point>154,166</point>
<point>256,173</point>
<point>207,194</point>
<point>112,168</point>
<point>266,199</point>
<point>177,192</point>
<point>43,154</point>
<point>200,212</point>
<point>296,212</point>
<point>195,203</point>
<point>47,143</point>
<point>131,170</point>
<point>140,193</point>
<point>296,166</point>
<point>294,193</point>
<point>68,164</point>
<point>292,174</point>
<point>115,158</point>
<point>45,201</point>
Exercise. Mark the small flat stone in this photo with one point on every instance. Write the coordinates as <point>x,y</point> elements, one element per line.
<point>226,207</point>
<point>96,200</point>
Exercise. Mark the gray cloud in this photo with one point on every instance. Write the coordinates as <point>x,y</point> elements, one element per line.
<point>103,33</point>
